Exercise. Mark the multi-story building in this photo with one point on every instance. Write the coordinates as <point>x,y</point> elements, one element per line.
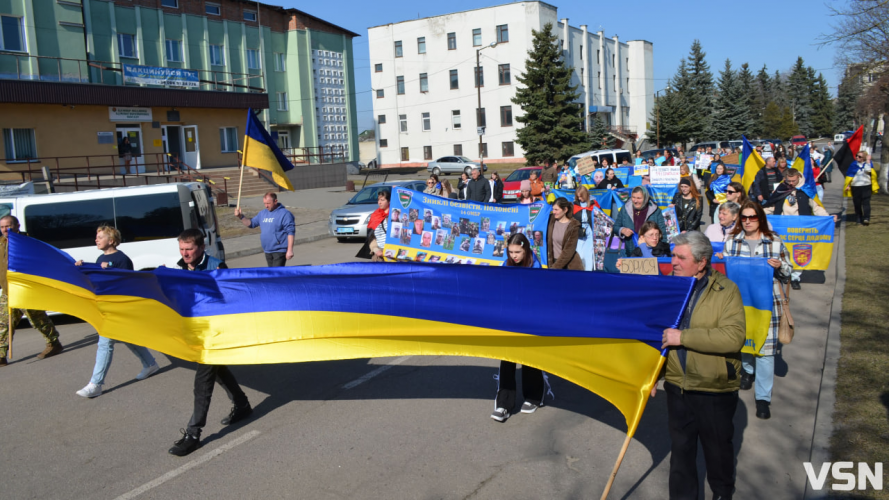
<point>423,74</point>
<point>176,76</point>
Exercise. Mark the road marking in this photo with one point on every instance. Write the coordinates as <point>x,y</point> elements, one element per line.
<point>359,381</point>
<point>190,465</point>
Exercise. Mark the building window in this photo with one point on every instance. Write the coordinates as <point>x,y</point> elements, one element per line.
<point>399,84</point>
<point>20,144</point>
<point>476,37</point>
<point>282,101</point>
<point>581,52</point>
<point>458,150</point>
<point>508,149</point>
<point>480,76</point>
<point>217,55</point>
<point>381,119</point>
<point>252,59</point>
<point>598,57</point>
<point>213,9</point>
<point>505,78</point>
<point>421,45</point>
<point>173,4</point>
<point>452,41</point>
<point>402,123</point>
<point>599,78</point>
<point>126,44</point>
<point>250,15</point>
<point>582,81</point>
<point>427,122</point>
<point>427,152</point>
<point>612,60</point>
<point>628,85</point>
<point>424,83</point>
<point>483,150</point>
<point>378,68</point>
<point>228,139</point>
<point>502,33</point>
<point>174,51</point>
<point>405,154</point>
<point>506,116</point>
<point>398,52</point>
<point>480,117</point>
<point>280,64</point>
<point>384,143</point>
<point>380,94</point>
<point>455,119</point>
<point>12,35</point>
<point>455,83</point>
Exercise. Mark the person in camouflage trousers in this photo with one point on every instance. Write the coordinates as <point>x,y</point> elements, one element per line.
<point>38,319</point>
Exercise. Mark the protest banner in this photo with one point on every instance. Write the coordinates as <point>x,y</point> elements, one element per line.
<point>168,77</point>
<point>646,266</point>
<point>754,277</point>
<point>662,195</point>
<point>640,169</point>
<point>602,228</point>
<point>584,166</point>
<point>808,239</point>
<point>734,158</point>
<point>426,228</point>
<point>704,161</point>
<point>665,175</point>
<point>671,221</point>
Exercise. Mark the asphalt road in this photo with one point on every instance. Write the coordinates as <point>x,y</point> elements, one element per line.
<point>412,428</point>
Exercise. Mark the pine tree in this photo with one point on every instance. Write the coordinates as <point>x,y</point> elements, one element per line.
<point>747,86</point>
<point>779,89</point>
<point>602,139</point>
<point>668,114</point>
<point>822,120</point>
<point>762,97</point>
<point>701,96</point>
<point>731,115</point>
<point>799,86</point>
<point>551,118</point>
<point>844,109</point>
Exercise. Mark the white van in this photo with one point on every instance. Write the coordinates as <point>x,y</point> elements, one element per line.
<point>149,219</point>
<point>615,157</point>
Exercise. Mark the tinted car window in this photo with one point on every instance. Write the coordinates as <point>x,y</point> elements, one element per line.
<point>520,175</point>
<point>71,224</point>
<point>152,216</point>
<point>624,156</point>
<point>5,209</point>
<point>368,195</point>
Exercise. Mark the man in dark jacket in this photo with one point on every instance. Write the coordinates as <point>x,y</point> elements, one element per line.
<point>765,181</point>
<point>478,188</point>
<point>191,248</point>
<point>703,365</point>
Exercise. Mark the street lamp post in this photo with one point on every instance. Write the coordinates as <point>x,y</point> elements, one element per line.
<point>658,104</point>
<point>478,110</point>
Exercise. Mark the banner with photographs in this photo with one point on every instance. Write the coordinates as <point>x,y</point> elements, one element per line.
<point>426,228</point>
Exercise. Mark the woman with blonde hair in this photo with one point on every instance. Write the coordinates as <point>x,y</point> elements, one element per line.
<point>688,204</point>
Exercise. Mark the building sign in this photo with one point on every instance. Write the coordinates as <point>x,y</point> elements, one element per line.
<point>119,114</point>
<point>106,137</point>
<point>168,77</point>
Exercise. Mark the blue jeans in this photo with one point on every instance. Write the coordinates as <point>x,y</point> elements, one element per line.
<point>105,352</point>
<point>765,374</point>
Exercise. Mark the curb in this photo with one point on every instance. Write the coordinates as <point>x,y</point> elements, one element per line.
<point>246,252</point>
<point>820,449</point>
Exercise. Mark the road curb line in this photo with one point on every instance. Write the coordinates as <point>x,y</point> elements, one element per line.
<point>258,249</point>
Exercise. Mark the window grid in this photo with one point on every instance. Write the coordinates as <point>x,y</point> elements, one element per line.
<point>427,152</point>
<point>398,51</point>
<point>477,37</point>
<point>424,83</point>
<point>504,74</point>
<point>455,81</point>
<point>455,119</point>
<point>12,34</point>
<point>421,45</point>
<point>503,33</point>
<point>126,45</point>
<point>452,41</point>
<point>427,122</point>
<point>228,139</point>
<point>174,50</point>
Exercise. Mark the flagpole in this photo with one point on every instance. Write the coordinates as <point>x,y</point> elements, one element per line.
<point>11,323</point>
<point>623,449</point>
<point>241,180</point>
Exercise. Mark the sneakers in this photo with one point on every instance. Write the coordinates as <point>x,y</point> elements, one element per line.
<point>186,445</point>
<point>866,222</point>
<point>794,284</point>
<point>237,414</point>
<point>3,362</point>
<point>147,372</point>
<point>90,391</point>
<point>747,380</point>
<point>51,350</point>
<point>500,414</point>
<point>528,407</point>
<point>762,409</point>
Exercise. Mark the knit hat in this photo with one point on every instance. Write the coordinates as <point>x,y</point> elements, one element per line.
<point>685,180</point>
<point>525,186</point>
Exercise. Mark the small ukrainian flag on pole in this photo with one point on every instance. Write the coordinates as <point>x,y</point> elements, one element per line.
<point>260,151</point>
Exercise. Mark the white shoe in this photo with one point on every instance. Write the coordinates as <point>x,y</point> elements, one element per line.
<point>90,391</point>
<point>147,372</point>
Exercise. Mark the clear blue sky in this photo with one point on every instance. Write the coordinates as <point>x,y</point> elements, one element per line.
<point>770,32</point>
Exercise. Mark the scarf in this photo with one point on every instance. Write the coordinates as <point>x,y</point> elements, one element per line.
<point>639,217</point>
<point>376,217</point>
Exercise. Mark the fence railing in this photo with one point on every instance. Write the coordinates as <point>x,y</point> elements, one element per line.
<point>316,155</point>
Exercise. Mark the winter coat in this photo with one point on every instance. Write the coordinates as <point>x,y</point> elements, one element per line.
<point>625,219</point>
<point>478,190</point>
<point>569,259</point>
<point>689,220</point>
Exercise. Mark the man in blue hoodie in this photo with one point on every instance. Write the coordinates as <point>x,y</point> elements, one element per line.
<point>277,229</point>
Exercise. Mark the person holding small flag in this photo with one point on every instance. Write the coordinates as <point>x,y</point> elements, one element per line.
<point>277,230</point>
<point>861,182</point>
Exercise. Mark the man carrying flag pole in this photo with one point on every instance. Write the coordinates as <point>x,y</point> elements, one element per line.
<point>860,176</point>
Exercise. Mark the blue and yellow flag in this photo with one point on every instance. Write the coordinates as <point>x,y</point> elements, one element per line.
<point>751,163</point>
<point>803,164</point>
<point>358,310</point>
<point>719,185</point>
<point>807,238</point>
<point>754,277</point>
<point>260,151</point>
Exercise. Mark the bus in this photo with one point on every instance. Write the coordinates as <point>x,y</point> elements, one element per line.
<point>149,218</point>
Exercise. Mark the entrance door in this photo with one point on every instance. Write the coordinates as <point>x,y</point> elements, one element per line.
<point>136,160</point>
<point>173,142</point>
<point>192,149</point>
<point>284,141</point>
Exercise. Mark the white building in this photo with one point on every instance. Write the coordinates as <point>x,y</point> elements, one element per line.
<point>330,100</point>
<point>425,97</point>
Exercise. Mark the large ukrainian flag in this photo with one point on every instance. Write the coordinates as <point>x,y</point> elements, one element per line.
<point>751,163</point>
<point>754,277</point>
<point>357,310</point>
<point>260,151</point>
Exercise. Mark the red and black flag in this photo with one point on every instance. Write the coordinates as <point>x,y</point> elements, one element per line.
<point>845,156</point>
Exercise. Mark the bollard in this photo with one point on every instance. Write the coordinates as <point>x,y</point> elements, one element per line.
<point>350,186</point>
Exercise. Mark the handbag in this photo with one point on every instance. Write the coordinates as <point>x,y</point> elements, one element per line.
<point>785,326</point>
<point>613,252</point>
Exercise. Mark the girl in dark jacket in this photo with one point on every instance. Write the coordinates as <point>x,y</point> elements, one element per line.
<point>689,208</point>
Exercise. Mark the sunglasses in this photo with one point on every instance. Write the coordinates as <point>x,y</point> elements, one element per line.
<point>748,218</point>
<point>730,192</point>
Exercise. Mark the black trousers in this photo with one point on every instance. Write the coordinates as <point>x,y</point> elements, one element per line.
<point>277,259</point>
<point>533,388</point>
<point>706,416</point>
<point>861,199</point>
<point>204,378</point>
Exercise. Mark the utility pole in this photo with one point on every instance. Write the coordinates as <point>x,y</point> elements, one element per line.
<point>478,110</point>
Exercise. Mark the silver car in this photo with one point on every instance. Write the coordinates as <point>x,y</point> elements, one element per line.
<point>350,220</point>
<point>453,165</point>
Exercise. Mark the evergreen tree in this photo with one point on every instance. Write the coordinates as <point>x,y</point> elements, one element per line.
<point>822,120</point>
<point>778,121</point>
<point>602,139</point>
<point>762,97</point>
<point>747,86</point>
<point>552,123</point>
<point>700,96</point>
<point>778,89</point>
<point>667,113</point>
<point>799,88</point>
<point>844,109</point>
<point>731,115</point>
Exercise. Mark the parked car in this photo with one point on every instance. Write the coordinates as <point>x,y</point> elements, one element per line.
<point>350,220</point>
<point>512,183</point>
<point>799,140</point>
<point>704,145</point>
<point>657,153</point>
<point>614,156</point>
<point>453,165</point>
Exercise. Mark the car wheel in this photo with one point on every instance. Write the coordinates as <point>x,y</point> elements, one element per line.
<point>436,171</point>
